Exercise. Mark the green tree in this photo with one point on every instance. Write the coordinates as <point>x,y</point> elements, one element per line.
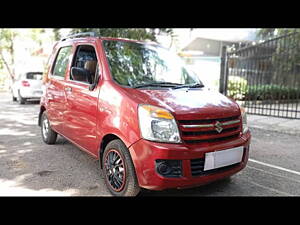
<point>131,33</point>
<point>285,57</point>
<point>7,38</point>
<point>266,33</point>
<point>56,33</point>
<point>35,34</point>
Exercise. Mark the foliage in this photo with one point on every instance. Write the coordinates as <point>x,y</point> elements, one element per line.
<point>287,54</point>
<point>239,90</point>
<point>237,87</point>
<point>56,33</point>
<point>35,35</point>
<point>271,92</point>
<point>130,33</point>
<point>132,64</point>
<point>7,37</point>
<point>266,33</point>
<point>283,53</point>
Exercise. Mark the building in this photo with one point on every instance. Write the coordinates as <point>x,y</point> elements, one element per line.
<point>203,56</point>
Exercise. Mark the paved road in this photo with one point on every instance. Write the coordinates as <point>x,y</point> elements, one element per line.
<point>29,167</point>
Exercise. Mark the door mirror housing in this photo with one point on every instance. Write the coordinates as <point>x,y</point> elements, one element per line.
<point>93,86</point>
<point>80,74</point>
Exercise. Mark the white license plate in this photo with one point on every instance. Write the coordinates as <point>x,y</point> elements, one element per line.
<point>223,158</point>
<point>38,92</point>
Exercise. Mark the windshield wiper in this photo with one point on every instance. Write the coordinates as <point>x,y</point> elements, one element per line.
<point>157,84</point>
<point>197,85</point>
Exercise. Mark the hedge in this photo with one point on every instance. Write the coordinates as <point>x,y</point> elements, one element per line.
<point>239,90</point>
<point>271,92</point>
<point>237,87</point>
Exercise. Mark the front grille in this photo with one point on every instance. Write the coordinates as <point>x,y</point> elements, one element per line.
<point>197,168</point>
<point>206,121</point>
<point>205,130</point>
<point>196,133</point>
<point>212,140</point>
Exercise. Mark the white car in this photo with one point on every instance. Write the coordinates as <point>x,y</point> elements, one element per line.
<point>28,86</point>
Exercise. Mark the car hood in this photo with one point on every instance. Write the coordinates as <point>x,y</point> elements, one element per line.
<point>188,103</point>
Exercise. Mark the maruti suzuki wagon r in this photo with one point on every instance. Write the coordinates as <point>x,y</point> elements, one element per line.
<point>134,106</point>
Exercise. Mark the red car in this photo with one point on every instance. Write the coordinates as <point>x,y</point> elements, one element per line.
<point>134,106</point>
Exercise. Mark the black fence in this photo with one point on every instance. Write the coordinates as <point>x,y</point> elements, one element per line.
<point>264,77</point>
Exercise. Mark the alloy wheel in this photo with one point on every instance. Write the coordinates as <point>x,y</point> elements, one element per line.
<point>45,128</point>
<point>115,170</point>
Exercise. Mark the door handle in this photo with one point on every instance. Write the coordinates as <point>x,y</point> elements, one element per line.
<point>50,97</point>
<point>68,89</point>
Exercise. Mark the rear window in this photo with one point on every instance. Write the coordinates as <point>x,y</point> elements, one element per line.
<point>34,76</point>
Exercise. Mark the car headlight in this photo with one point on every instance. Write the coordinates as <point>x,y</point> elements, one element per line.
<point>244,120</point>
<point>157,124</point>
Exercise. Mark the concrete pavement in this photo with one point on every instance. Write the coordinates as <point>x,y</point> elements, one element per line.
<point>28,167</point>
<point>281,125</point>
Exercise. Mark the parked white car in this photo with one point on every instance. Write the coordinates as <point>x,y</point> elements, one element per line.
<point>28,86</point>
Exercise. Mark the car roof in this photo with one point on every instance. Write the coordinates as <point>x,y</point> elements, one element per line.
<point>76,39</point>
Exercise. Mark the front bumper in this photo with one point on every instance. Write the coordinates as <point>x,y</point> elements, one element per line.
<point>144,154</point>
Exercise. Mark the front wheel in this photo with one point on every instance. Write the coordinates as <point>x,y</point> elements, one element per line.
<point>49,136</point>
<point>118,170</point>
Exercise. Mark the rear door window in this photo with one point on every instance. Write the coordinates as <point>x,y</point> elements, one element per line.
<point>62,61</point>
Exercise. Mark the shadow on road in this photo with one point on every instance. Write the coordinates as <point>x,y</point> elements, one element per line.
<point>212,189</point>
<point>29,164</point>
<point>30,167</point>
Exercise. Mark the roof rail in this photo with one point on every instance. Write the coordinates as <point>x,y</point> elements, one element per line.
<point>85,34</point>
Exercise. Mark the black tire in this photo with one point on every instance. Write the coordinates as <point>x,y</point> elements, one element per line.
<point>129,184</point>
<point>14,99</point>
<point>20,99</point>
<point>49,136</point>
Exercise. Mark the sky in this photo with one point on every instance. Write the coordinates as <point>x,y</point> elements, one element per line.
<point>185,36</point>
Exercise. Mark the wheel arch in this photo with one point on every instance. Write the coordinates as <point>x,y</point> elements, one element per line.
<point>105,140</point>
<point>42,109</point>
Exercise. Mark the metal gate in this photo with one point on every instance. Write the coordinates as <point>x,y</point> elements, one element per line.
<point>265,77</point>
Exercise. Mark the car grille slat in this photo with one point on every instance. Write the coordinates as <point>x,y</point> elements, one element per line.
<point>207,121</point>
<point>205,130</point>
<point>197,166</point>
<point>212,140</point>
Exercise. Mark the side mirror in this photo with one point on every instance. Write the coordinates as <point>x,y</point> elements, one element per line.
<point>80,74</point>
<point>92,86</point>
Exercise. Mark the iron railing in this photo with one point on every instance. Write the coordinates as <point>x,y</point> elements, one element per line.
<point>265,77</point>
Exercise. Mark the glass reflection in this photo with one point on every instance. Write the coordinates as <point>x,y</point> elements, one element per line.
<point>134,64</point>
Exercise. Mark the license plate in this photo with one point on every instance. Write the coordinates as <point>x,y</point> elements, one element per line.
<point>38,92</point>
<point>223,158</point>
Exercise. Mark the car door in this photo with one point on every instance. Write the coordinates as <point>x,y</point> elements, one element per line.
<point>55,88</point>
<point>80,118</point>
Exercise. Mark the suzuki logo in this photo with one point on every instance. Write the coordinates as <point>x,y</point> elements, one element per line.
<point>218,126</point>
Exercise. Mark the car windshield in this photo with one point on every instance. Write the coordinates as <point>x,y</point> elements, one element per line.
<point>138,65</point>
